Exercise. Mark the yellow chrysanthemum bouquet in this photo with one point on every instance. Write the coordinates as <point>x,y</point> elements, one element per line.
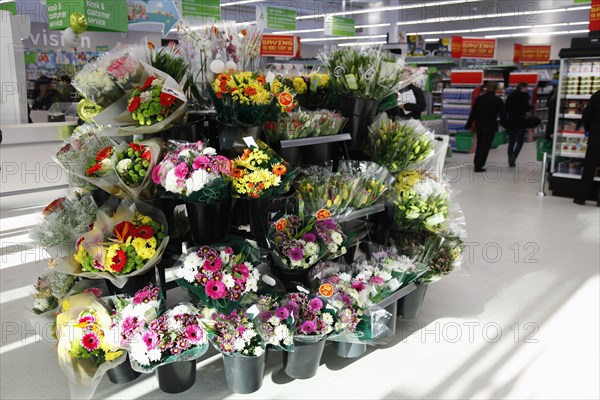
<point>259,172</point>
<point>245,98</point>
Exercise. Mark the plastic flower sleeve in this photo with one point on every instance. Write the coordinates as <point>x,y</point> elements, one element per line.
<point>95,245</point>
<point>87,157</point>
<point>83,376</point>
<point>118,116</point>
<point>220,275</point>
<point>399,144</point>
<point>166,333</point>
<point>94,83</point>
<point>375,181</point>
<point>274,323</point>
<point>133,163</point>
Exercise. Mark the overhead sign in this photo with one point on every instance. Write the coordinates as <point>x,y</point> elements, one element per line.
<point>468,47</point>
<point>205,10</point>
<point>339,26</point>
<point>467,77</point>
<point>280,46</point>
<point>153,11</point>
<point>535,54</point>
<point>514,78</point>
<point>276,18</point>
<point>595,16</point>
<point>101,15</point>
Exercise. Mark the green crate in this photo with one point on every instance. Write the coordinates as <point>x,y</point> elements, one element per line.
<point>543,146</point>
<point>499,139</point>
<point>464,141</point>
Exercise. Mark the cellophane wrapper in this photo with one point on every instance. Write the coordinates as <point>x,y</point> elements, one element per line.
<point>111,214</point>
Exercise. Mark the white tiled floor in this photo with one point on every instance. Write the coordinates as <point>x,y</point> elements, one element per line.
<point>521,320</point>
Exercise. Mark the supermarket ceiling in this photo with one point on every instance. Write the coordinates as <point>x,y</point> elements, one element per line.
<point>433,19</point>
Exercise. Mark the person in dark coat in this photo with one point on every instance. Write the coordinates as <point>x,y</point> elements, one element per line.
<point>517,106</point>
<point>46,94</point>
<point>485,113</point>
<point>411,103</point>
<point>591,123</point>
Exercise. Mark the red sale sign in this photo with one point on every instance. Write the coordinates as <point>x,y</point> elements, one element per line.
<point>595,16</point>
<point>468,47</point>
<point>280,46</point>
<point>535,54</point>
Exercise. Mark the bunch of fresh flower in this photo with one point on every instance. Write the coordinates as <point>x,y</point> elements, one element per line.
<point>149,103</point>
<point>220,275</point>
<point>312,91</point>
<point>126,71</point>
<point>84,331</point>
<point>96,84</point>
<point>86,156</point>
<point>368,73</point>
<point>244,98</point>
<point>50,290</point>
<point>445,257</point>
<point>311,314</point>
<point>420,201</point>
<point>332,236</point>
<point>403,268</point>
<point>235,333</point>
<point>296,242</point>
<point>301,124</point>
<point>400,144</point>
<point>177,335</point>
<point>132,313</point>
<point>133,164</point>
<point>65,221</point>
<point>125,240</point>
<point>320,188</point>
<point>259,172</point>
<point>374,180</point>
<point>194,172</point>
<point>275,324</point>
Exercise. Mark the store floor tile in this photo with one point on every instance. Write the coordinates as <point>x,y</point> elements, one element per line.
<point>519,320</point>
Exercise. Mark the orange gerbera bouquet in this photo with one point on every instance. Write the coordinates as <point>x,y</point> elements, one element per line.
<point>245,98</point>
<point>259,172</point>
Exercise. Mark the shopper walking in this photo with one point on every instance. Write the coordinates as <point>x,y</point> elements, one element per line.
<point>517,107</point>
<point>485,113</point>
<point>591,123</point>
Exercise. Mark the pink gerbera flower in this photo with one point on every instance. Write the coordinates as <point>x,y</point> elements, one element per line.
<point>358,286</point>
<point>90,341</point>
<point>296,254</point>
<point>213,265</point>
<point>377,281</point>
<point>151,339</point>
<point>240,270</point>
<point>201,162</point>
<point>308,327</point>
<point>282,313</point>
<point>194,334</point>
<point>315,304</point>
<point>215,289</point>
<point>156,175</point>
<point>181,170</point>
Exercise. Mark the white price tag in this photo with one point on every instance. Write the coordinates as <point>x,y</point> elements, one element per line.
<point>252,311</point>
<point>250,142</point>
<point>394,284</point>
<point>270,77</point>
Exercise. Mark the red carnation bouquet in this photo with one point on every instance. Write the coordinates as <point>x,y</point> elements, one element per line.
<point>150,103</point>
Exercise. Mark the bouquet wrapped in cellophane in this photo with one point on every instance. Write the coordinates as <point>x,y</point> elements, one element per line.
<point>127,239</point>
<point>176,335</point>
<point>419,201</point>
<point>274,323</point>
<point>313,91</point>
<point>245,98</point>
<point>194,172</point>
<point>64,221</point>
<point>50,290</point>
<point>214,48</point>
<point>134,163</point>
<point>220,275</point>
<point>314,318</point>
<point>260,172</point>
<point>302,124</point>
<point>357,185</point>
<point>369,73</point>
<point>86,156</point>
<point>399,145</point>
<point>87,344</point>
<point>234,333</point>
<point>153,105</point>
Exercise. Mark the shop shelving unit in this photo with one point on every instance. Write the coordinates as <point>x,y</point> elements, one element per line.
<point>579,78</point>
